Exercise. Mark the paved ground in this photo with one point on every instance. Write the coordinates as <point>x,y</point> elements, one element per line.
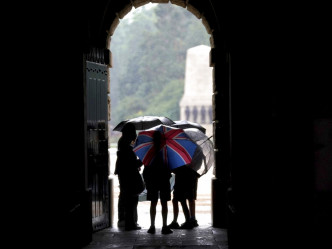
<point>203,236</point>
<point>199,237</point>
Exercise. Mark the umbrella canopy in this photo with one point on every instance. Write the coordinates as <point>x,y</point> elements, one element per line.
<point>176,147</point>
<point>144,122</point>
<point>183,124</point>
<point>203,157</point>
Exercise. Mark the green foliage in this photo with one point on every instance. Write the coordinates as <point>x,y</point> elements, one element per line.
<point>149,53</point>
<point>166,102</point>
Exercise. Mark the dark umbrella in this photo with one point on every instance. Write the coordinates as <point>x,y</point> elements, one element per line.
<point>145,122</point>
<point>183,124</point>
<point>203,157</point>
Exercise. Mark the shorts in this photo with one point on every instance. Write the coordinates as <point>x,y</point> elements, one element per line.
<point>161,190</point>
<point>185,187</point>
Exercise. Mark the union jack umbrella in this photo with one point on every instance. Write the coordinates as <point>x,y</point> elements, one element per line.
<point>177,148</point>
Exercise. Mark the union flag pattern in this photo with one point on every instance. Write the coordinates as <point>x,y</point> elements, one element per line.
<point>176,147</point>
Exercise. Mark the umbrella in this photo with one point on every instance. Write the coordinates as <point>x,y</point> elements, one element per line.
<point>145,122</point>
<point>188,124</point>
<point>203,157</point>
<point>177,148</point>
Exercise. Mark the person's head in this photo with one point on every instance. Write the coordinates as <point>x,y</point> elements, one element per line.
<point>129,132</point>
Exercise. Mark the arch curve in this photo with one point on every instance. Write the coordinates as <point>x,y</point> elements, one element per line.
<point>201,10</point>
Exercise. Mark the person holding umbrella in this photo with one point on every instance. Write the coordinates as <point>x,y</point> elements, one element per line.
<point>186,180</point>
<point>162,149</point>
<point>157,180</point>
<point>185,189</point>
<point>127,168</point>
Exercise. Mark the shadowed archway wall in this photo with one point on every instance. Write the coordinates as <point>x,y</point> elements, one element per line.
<point>263,122</point>
<point>279,92</point>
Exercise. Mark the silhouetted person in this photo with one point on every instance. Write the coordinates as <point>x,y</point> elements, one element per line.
<point>203,115</point>
<point>157,179</point>
<point>185,189</point>
<point>195,113</point>
<point>187,112</point>
<point>126,168</point>
<point>210,114</point>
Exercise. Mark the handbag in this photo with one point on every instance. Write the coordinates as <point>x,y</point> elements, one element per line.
<point>139,184</point>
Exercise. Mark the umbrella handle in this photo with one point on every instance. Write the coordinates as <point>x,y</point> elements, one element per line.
<point>205,140</point>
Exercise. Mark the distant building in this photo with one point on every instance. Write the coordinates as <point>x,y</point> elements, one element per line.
<point>196,102</point>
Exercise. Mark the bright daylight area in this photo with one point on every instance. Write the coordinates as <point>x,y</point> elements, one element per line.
<point>159,70</point>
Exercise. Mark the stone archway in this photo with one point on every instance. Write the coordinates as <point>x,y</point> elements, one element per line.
<point>220,102</point>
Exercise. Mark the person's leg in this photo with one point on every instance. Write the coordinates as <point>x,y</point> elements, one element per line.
<point>185,209</point>
<point>192,201</point>
<point>152,196</point>
<point>192,210</point>
<point>164,211</point>
<point>136,215</point>
<point>165,196</point>
<point>121,211</point>
<point>187,224</point>
<point>175,210</point>
<point>174,224</point>
<point>153,208</point>
<point>135,210</point>
<point>130,206</point>
<point>181,191</point>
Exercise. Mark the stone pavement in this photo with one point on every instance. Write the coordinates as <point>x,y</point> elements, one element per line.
<point>203,236</point>
<point>199,237</point>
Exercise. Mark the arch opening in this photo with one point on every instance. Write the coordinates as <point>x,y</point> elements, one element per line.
<point>195,111</point>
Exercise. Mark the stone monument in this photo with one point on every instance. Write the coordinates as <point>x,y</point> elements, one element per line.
<point>196,102</point>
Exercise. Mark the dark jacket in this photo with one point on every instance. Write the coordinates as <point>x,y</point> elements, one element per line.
<point>126,167</point>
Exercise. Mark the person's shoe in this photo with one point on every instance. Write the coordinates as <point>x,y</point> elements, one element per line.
<point>132,228</point>
<point>121,223</point>
<point>194,222</point>
<point>166,230</point>
<point>187,225</point>
<point>152,230</point>
<point>174,225</point>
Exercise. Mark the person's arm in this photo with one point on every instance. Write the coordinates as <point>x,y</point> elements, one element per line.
<point>135,160</point>
<point>138,163</point>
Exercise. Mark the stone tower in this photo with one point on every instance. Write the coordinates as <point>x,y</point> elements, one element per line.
<point>196,102</point>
